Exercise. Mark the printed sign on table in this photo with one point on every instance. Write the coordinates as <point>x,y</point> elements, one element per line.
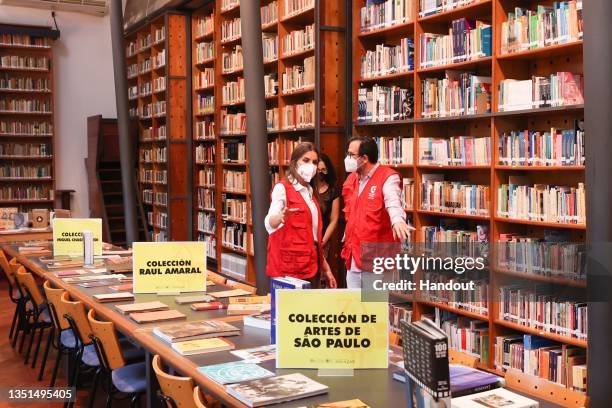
<point>68,235</point>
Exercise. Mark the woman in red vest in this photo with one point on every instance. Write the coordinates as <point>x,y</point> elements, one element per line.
<point>295,224</point>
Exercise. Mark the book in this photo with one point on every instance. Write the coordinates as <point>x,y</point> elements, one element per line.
<point>98,284</point>
<point>142,307</point>
<point>250,300</point>
<point>235,372</point>
<point>122,288</point>
<point>181,300</point>
<point>157,316</point>
<point>275,390</point>
<point>73,272</point>
<point>201,346</point>
<point>257,354</point>
<point>354,403</point>
<point>200,307</point>
<point>195,330</point>
<point>114,297</point>
<point>261,321</point>
<point>282,283</point>
<point>500,397</point>
<point>466,380</point>
<point>246,309</point>
<point>229,293</point>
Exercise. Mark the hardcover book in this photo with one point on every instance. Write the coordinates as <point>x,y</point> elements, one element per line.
<point>201,346</point>
<point>200,307</point>
<point>247,309</point>
<point>257,354</point>
<point>159,316</point>
<point>275,390</point>
<point>229,293</point>
<point>282,283</point>
<point>498,398</point>
<point>142,307</point>
<point>114,297</point>
<point>195,330</point>
<point>234,372</point>
<point>181,300</point>
<point>261,321</point>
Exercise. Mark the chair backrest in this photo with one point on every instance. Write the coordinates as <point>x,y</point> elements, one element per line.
<point>198,398</point>
<point>179,389</point>
<point>28,284</point>
<point>109,349</point>
<point>6,268</point>
<point>215,277</point>
<point>54,297</point>
<point>239,285</point>
<point>13,266</point>
<point>76,311</point>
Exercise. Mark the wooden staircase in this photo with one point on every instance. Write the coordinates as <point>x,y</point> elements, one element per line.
<point>104,180</point>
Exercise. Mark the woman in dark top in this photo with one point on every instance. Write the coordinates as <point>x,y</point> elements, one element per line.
<point>329,200</point>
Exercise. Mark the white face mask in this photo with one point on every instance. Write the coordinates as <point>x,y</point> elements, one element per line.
<point>307,171</point>
<point>350,164</point>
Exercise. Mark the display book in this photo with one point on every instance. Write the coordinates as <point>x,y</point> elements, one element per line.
<point>286,282</point>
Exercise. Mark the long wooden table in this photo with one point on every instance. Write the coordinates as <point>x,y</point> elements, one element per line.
<point>374,387</point>
<point>25,235</point>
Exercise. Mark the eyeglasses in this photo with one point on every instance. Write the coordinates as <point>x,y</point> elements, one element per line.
<point>353,155</point>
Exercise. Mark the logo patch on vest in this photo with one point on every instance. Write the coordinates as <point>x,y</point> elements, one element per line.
<point>372,193</point>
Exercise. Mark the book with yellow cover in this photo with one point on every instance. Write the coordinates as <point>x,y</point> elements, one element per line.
<point>201,346</point>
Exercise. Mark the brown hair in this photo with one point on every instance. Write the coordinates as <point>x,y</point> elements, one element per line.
<point>299,151</point>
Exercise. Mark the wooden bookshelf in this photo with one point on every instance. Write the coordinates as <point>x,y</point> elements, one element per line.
<point>27,133</point>
<point>519,65</point>
<point>158,51</point>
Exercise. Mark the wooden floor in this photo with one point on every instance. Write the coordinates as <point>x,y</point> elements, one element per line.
<point>14,373</point>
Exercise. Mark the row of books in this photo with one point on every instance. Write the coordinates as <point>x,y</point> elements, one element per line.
<point>270,46</point>
<point>205,104</point>
<point>153,155</point>
<point>293,7</point>
<point>234,236</point>
<point>227,5</point>
<point>475,301</point>
<point>233,60</point>
<point>271,84</point>
<point>205,154</point>
<point>132,70</point>
<point>539,309</point>
<point>234,209</point>
<point>153,176</point>
<point>154,133</point>
<point>159,59</point>
<point>25,40</point>
<point>457,94</point>
<point>528,29</point>
<point>205,78</point>
<point>377,15</point>
<point>466,40</point>
<point>299,77</point>
<point>211,244</point>
<point>233,92</point>
<point>395,150</point>
<point>145,66</point>
<point>408,193</point>
<point>272,119</point>
<point>158,219</point>
<point>235,181</point>
<point>298,40</point>
<point>455,151</point>
<point>233,152</point>
<point>25,149</point>
<point>26,128</point>
<point>206,222</point>
<point>234,265</point>
<point>543,358</point>
<point>451,231</point>
<point>279,151</point>
<point>269,13</point>
<point>14,170</point>
<point>558,89</point>
<point>205,130</point>
<point>157,198</point>
<point>230,30</point>
<point>298,116</point>
<point>233,123</point>
<point>430,7</point>
<point>26,193</point>
<point>553,255</point>
<point>24,84</point>
<point>399,312</point>
<point>152,110</point>
<point>205,26</point>
<point>205,51</point>
<point>388,59</point>
<point>206,199</point>
<point>384,103</point>
<point>159,236</point>
<point>24,62</point>
<point>206,177</point>
<point>453,196</point>
<point>557,147</point>
<point>25,105</point>
<point>465,335</point>
<point>541,202</point>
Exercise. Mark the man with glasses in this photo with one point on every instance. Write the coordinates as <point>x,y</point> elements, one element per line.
<point>373,205</point>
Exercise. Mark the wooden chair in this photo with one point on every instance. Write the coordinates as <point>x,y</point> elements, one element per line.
<point>21,324</point>
<point>37,315</point>
<point>215,277</point>
<point>175,392</point>
<point>128,379</point>
<point>239,285</point>
<point>60,337</point>
<point>198,398</point>
<point>13,290</point>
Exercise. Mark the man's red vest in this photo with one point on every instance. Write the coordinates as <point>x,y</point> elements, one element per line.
<point>367,219</point>
<point>291,248</point>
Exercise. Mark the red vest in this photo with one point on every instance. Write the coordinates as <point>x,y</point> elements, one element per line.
<point>367,219</point>
<point>291,248</point>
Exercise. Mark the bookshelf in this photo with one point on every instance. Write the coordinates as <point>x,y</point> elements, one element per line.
<point>157,62</point>
<point>489,122</point>
<point>311,98</point>
<point>27,135</point>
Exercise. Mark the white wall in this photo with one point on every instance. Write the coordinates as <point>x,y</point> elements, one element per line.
<point>84,86</point>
